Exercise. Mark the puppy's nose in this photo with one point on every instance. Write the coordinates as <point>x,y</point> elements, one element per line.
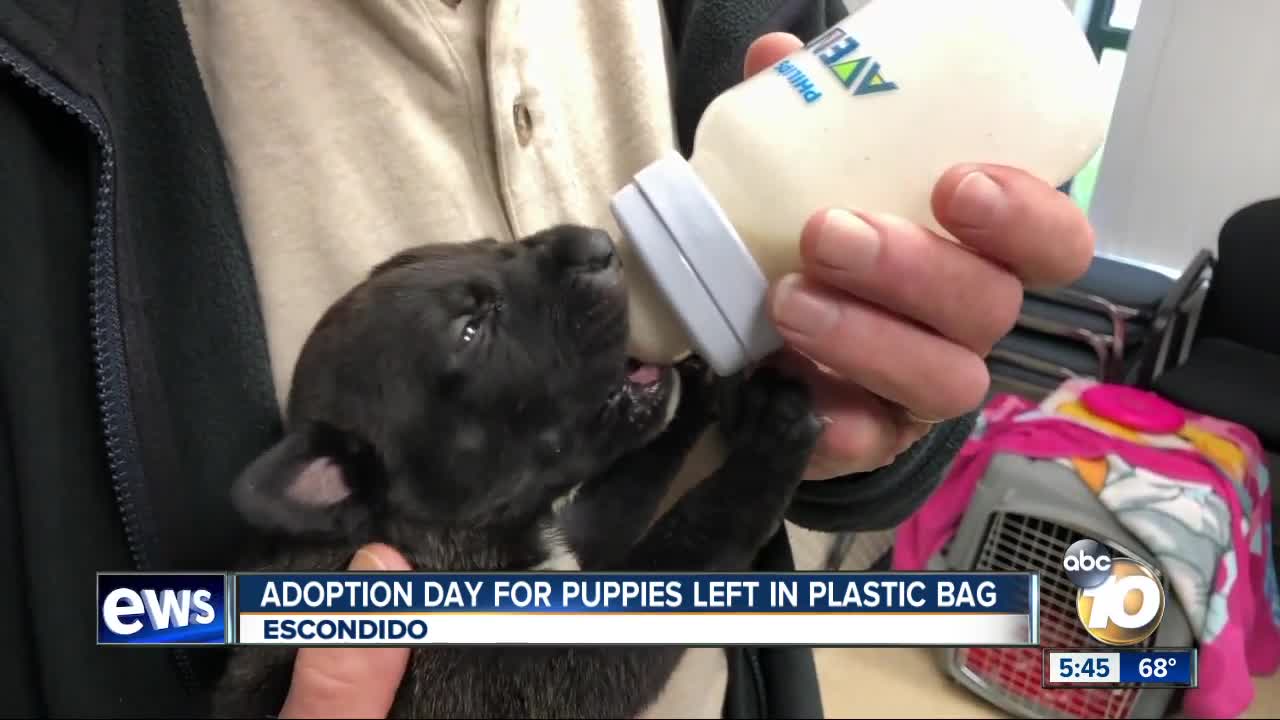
<point>587,250</point>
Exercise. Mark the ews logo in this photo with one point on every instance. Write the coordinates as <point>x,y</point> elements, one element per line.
<point>1120,601</point>
<point>161,609</point>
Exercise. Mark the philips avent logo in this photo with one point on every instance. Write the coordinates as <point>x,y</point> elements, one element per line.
<point>1120,601</point>
<point>837,50</point>
<point>162,609</point>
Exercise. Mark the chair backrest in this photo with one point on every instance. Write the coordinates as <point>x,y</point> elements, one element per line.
<point>1244,294</point>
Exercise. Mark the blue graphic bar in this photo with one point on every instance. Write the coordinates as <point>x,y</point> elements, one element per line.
<point>1121,667</point>
<point>1159,667</point>
<point>555,592</point>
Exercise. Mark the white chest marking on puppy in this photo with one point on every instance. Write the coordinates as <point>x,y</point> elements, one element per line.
<point>561,502</point>
<point>558,555</point>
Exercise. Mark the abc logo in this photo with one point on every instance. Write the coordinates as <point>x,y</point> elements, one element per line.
<point>1120,601</point>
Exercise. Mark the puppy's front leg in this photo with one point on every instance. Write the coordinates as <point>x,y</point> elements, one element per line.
<point>723,522</point>
<point>611,511</point>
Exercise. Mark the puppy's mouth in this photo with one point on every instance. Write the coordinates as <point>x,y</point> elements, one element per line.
<point>645,400</point>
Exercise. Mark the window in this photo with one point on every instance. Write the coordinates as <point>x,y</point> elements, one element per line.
<point>1107,26</point>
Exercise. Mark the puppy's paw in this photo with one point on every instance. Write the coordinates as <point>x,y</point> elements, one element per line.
<point>696,403</point>
<point>694,371</point>
<point>769,419</point>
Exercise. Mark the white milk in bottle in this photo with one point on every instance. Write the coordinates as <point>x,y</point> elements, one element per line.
<point>867,116</point>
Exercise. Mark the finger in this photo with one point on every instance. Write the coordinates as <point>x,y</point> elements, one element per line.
<point>769,49</point>
<point>342,682</point>
<point>1017,220</point>
<point>889,356</point>
<point>909,271</point>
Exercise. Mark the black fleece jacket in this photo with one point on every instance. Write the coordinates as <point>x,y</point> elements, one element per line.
<point>134,380</point>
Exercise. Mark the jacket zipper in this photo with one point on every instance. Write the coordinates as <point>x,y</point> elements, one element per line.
<point>110,373</point>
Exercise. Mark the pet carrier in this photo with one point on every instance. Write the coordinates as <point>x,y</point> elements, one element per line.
<point>1016,523</point>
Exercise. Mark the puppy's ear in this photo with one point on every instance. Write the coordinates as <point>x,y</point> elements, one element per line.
<point>314,480</point>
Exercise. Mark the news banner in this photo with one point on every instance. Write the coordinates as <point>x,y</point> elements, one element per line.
<point>560,608</point>
<point>1119,605</point>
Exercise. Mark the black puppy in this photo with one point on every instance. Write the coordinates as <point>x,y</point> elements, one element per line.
<point>473,406</point>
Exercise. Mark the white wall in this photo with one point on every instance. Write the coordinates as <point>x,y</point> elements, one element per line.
<point>1195,133</point>
<point>852,5</point>
<point>855,4</point>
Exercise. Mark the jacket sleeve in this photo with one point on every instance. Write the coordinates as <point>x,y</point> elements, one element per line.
<point>883,498</point>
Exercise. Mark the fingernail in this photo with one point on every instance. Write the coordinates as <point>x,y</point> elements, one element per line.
<point>846,241</point>
<point>365,561</point>
<point>977,201</point>
<point>801,311</point>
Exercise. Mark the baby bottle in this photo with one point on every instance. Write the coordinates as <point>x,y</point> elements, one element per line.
<point>866,116</point>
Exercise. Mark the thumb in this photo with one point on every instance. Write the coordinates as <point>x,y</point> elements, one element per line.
<point>349,682</point>
<point>769,49</point>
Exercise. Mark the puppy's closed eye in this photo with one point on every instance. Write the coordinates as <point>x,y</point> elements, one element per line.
<point>471,438</point>
<point>549,447</point>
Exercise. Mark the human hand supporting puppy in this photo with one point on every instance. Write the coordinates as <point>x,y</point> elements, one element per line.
<point>890,323</point>
<point>342,682</point>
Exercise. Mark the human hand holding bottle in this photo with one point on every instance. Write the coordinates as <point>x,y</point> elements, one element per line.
<point>902,318</point>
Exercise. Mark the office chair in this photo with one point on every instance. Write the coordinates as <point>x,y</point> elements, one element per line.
<point>1231,369</point>
<point>1113,324</point>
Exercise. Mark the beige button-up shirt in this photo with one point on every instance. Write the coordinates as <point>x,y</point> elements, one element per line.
<point>357,128</point>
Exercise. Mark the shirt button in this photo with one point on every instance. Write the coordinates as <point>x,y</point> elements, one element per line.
<point>523,120</point>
